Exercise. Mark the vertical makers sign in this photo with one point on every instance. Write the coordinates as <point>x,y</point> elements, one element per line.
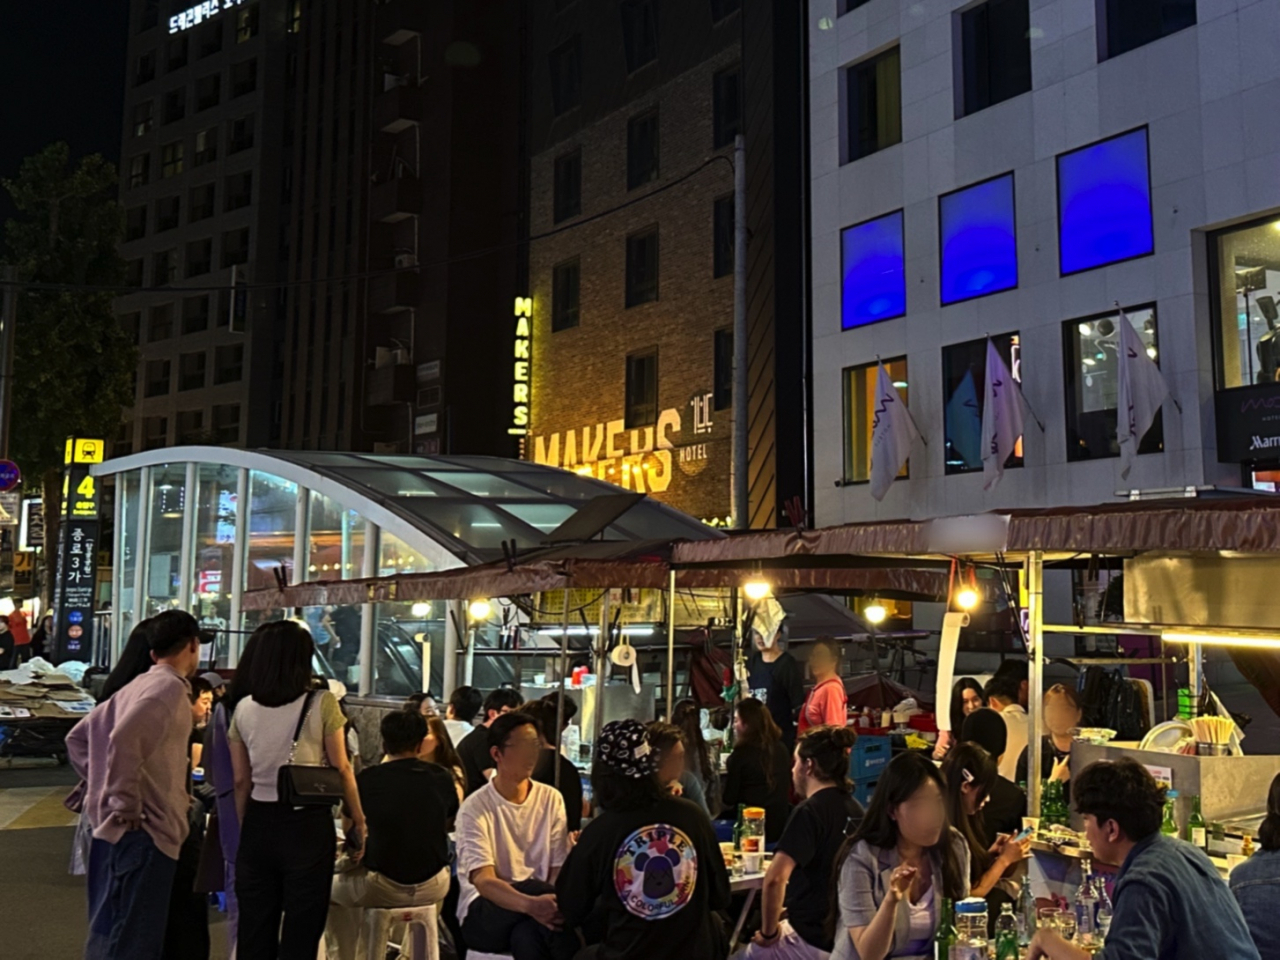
<point>520,381</point>
<point>77,552</point>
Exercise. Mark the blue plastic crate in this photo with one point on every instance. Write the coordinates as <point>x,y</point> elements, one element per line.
<point>863,789</point>
<point>869,756</point>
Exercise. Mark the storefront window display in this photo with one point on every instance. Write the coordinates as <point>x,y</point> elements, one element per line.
<point>1247,305</point>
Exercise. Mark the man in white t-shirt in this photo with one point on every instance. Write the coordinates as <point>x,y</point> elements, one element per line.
<point>512,839</point>
<point>464,704</point>
<point>1002,696</point>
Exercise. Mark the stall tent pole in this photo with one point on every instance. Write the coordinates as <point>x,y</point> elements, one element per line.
<point>142,576</point>
<point>301,535</point>
<point>602,666</point>
<point>238,551</point>
<point>454,612</point>
<point>1195,672</point>
<point>1035,692</point>
<point>186,563</point>
<point>564,665</point>
<point>469,662</point>
<point>368,612</point>
<point>671,644</point>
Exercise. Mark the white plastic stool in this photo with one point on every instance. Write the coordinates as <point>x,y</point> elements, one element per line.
<point>421,941</point>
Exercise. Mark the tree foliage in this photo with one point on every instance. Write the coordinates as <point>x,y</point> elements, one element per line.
<point>74,364</point>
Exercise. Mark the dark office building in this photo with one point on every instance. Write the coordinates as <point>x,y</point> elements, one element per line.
<point>633,111</point>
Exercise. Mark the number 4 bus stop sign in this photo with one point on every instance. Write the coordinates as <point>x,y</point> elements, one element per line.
<point>76,583</point>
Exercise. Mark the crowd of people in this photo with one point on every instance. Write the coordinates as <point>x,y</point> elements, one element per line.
<point>475,810</point>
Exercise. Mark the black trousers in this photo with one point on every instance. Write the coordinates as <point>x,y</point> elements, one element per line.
<point>284,870</point>
<point>186,936</point>
<point>489,928</point>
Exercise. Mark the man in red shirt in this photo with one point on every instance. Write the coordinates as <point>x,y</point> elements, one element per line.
<point>21,634</point>
<point>826,704</point>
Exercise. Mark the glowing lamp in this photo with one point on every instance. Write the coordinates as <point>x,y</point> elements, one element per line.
<point>756,590</point>
<point>479,610</point>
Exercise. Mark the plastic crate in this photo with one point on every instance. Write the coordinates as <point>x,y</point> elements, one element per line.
<point>869,756</point>
<point>863,789</point>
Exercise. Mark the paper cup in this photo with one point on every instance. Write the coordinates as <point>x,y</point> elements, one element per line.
<point>753,862</point>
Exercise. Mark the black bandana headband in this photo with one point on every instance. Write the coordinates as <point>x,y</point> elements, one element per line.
<point>624,745</point>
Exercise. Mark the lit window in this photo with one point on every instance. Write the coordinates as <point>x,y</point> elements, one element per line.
<point>978,240</point>
<point>859,415</point>
<point>1104,203</point>
<point>873,101</point>
<point>872,272</point>
<point>964,378</point>
<point>1246,302</point>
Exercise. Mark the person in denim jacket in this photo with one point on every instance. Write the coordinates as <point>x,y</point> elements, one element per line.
<point>1256,882</point>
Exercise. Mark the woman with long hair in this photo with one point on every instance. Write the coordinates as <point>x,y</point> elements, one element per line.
<point>827,703</point>
<point>135,660</point>
<point>799,878</point>
<point>438,748</point>
<point>284,867</point>
<point>758,773</point>
<point>892,873</point>
<point>970,773</point>
<point>687,715</point>
<point>1256,882</point>
<point>966,697</point>
<point>649,862</point>
<point>673,770</point>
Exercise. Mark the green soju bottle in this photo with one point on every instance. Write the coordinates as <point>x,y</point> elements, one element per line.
<point>1169,827</point>
<point>946,935</point>
<point>1197,829</point>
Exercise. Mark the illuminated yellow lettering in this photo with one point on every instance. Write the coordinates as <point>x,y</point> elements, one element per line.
<point>520,392</point>
<point>613,429</point>
<point>86,487</point>
<point>521,416</point>
<point>668,422</point>
<point>522,327</point>
<point>522,348</point>
<point>591,451</point>
<point>522,369</point>
<point>570,449</point>
<point>547,450</point>
<point>660,480</point>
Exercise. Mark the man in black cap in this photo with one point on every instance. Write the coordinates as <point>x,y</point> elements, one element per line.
<point>1007,803</point>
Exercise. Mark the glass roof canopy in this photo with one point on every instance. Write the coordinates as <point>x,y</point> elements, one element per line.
<point>470,505</point>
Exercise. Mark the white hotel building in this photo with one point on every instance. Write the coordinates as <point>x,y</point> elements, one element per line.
<point>1117,150</point>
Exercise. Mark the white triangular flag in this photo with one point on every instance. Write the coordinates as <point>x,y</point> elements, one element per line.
<point>1141,389</point>
<point>892,431</point>
<point>1001,417</point>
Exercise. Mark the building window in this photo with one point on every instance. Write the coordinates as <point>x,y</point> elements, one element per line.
<point>1246,293</point>
<point>964,378</point>
<point>295,16</point>
<point>726,106</point>
<point>247,23</point>
<point>176,52</point>
<point>155,432</point>
<point>568,186</point>
<point>642,149</point>
<point>642,389</point>
<point>860,415</point>
<point>133,272</point>
<point>1104,203</point>
<point>190,426</point>
<point>191,370</point>
<point>239,190</point>
<point>565,62</point>
<point>156,383</point>
<point>164,267</point>
<point>244,78</point>
<point>160,322</point>
<point>995,54</point>
<point>150,15</point>
<point>211,39</point>
<point>208,92</point>
<point>241,134</point>
<point>639,33</point>
<point>132,324</point>
<point>226,423</point>
<point>143,117</point>
<point>722,237</point>
<point>135,223</point>
<point>145,69</point>
<point>978,240</point>
<point>723,369</point>
<point>229,364</point>
<point>1092,368</point>
<point>171,159</point>
<point>175,106</point>
<point>873,280</point>
<point>168,213</point>
<point>140,170</point>
<point>235,247</point>
<point>202,201</point>
<point>206,146</point>
<point>564,295</point>
<point>1125,25</point>
<point>199,257</point>
<point>642,267</point>
<point>873,101</point>
<point>195,314</point>
<point>847,5</point>
<point>722,8</point>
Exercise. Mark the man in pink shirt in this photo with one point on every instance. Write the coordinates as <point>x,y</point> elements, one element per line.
<point>826,704</point>
<point>131,751</point>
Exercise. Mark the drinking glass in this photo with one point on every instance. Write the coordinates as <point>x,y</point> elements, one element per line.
<point>1048,918</point>
<point>1067,925</point>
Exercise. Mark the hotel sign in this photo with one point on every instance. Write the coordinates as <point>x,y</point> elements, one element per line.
<point>520,372</point>
<point>194,16</point>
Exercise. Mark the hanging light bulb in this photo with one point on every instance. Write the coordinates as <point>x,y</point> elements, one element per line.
<point>875,613</point>
<point>756,590</point>
<point>479,609</point>
<point>421,610</point>
<point>967,598</point>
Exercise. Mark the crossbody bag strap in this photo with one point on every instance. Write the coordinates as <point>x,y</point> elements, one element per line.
<point>302,717</point>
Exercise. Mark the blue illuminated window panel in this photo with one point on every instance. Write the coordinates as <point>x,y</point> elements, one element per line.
<point>979,242</point>
<point>873,284</point>
<point>1104,203</point>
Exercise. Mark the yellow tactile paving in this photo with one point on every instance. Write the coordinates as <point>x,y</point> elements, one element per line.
<point>24,808</point>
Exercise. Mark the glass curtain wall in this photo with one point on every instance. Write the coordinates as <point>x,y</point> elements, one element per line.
<point>213,547</point>
<point>130,494</point>
<point>273,505</point>
<point>166,501</point>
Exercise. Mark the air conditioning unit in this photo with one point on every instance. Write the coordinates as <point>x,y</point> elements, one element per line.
<point>405,261</point>
<point>390,357</point>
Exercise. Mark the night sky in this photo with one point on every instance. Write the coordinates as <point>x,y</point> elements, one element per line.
<point>62,71</point>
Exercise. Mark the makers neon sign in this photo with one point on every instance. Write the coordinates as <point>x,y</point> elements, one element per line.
<point>520,373</point>
<point>194,16</point>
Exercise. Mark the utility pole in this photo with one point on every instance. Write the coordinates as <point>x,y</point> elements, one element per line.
<point>741,486</point>
<point>8,321</point>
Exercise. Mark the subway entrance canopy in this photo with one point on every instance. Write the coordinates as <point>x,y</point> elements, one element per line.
<point>198,526</point>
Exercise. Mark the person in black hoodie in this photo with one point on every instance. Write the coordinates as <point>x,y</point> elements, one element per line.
<point>759,769</point>
<point>1006,803</point>
<point>649,861</point>
<point>776,679</point>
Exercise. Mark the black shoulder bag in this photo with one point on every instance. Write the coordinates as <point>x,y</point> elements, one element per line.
<point>303,785</point>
